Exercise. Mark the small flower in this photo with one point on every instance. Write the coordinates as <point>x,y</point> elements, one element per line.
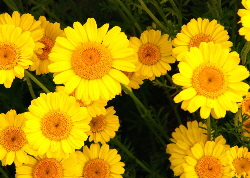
<point>245,17</point>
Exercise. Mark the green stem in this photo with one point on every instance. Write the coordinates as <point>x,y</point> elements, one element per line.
<point>159,9</point>
<point>146,9</point>
<point>11,5</point>
<point>236,118</point>
<point>123,148</point>
<point>244,52</point>
<point>208,129</point>
<point>173,105</point>
<point>179,18</point>
<point>3,173</point>
<point>36,81</point>
<point>30,86</point>
<point>125,9</point>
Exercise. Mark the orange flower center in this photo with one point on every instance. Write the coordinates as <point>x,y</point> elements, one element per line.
<point>209,81</point>
<point>97,123</point>
<point>209,166</point>
<point>246,106</point>
<point>48,45</point>
<point>197,39</point>
<point>128,74</point>
<point>56,126</point>
<point>242,165</point>
<point>246,125</point>
<point>96,168</point>
<point>12,139</point>
<point>149,54</point>
<point>91,61</point>
<point>8,56</point>
<point>48,168</point>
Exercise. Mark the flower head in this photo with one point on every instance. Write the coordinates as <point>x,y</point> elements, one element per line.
<point>100,162</point>
<point>197,31</point>
<point>154,53</point>
<point>56,124</point>
<point>90,60</point>
<point>245,17</point>
<point>212,80</point>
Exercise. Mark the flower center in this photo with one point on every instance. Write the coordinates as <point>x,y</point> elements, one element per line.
<point>56,126</point>
<point>246,106</point>
<point>197,39</point>
<point>12,139</point>
<point>209,81</point>
<point>8,56</point>
<point>209,166</point>
<point>97,123</point>
<point>48,168</point>
<point>48,45</point>
<point>247,125</point>
<point>91,61</point>
<point>149,54</point>
<point>128,74</point>
<point>96,168</point>
<point>242,165</point>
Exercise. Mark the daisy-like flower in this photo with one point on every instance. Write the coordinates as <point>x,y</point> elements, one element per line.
<point>94,108</point>
<point>197,31</point>
<point>56,124</point>
<point>154,53</point>
<point>134,80</point>
<point>206,161</point>
<point>238,161</point>
<point>211,80</point>
<point>103,127</point>
<point>44,167</point>
<point>51,32</point>
<point>100,162</point>
<point>184,138</point>
<point>245,112</point>
<point>90,60</point>
<point>16,49</point>
<point>245,17</point>
<point>27,23</point>
<point>13,142</point>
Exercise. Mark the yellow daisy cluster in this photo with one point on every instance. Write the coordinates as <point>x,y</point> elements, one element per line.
<point>244,19</point>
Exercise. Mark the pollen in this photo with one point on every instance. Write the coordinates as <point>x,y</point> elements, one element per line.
<point>48,45</point>
<point>48,168</point>
<point>91,61</point>
<point>97,123</point>
<point>242,165</point>
<point>12,139</point>
<point>209,166</point>
<point>149,54</point>
<point>197,39</point>
<point>8,56</point>
<point>209,81</point>
<point>56,126</point>
<point>96,168</point>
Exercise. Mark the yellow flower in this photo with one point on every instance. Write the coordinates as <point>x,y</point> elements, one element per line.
<point>94,108</point>
<point>56,124</point>
<point>238,161</point>
<point>101,162</point>
<point>134,80</point>
<point>90,60</point>
<point>197,31</point>
<point>245,19</point>
<point>13,142</point>
<point>44,167</point>
<point>51,32</point>
<point>16,49</point>
<point>206,160</point>
<point>211,80</point>
<point>184,138</point>
<point>103,127</point>
<point>27,23</point>
<point>154,53</point>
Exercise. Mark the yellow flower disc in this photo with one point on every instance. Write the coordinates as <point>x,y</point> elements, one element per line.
<point>149,54</point>
<point>209,166</point>
<point>91,61</point>
<point>209,81</point>
<point>48,45</point>
<point>241,165</point>
<point>56,126</point>
<point>12,139</point>
<point>8,56</point>
<point>197,39</point>
<point>96,168</point>
<point>97,123</point>
<point>48,168</point>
